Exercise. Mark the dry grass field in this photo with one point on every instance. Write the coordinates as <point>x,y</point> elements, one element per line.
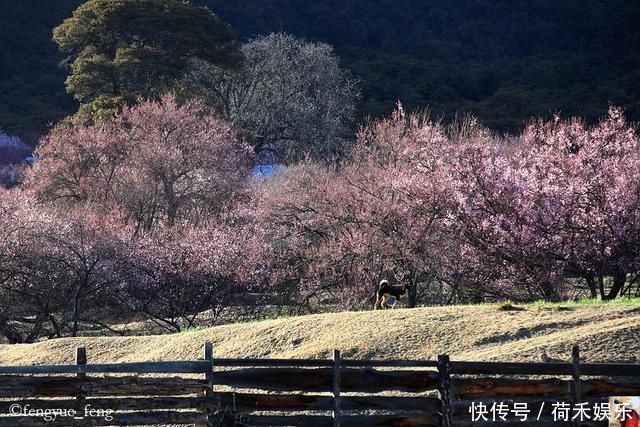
<point>605,333</point>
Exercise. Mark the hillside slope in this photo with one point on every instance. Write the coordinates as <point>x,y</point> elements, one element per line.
<point>604,333</point>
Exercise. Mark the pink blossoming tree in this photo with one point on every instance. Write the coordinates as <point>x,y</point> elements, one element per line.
<point>159,161</point>
<point>560,203</point>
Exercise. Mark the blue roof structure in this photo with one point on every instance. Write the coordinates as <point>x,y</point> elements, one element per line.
<point>265,171</point>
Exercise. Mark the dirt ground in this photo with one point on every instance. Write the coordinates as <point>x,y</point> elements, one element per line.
<point>605,333</point>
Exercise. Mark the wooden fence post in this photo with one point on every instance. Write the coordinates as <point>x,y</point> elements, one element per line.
<point>208,356</point>
<point>81,360</point>
<point>576,390</point>
<point>336,389</point>
<point>444,371</point>
<point>208,375</point>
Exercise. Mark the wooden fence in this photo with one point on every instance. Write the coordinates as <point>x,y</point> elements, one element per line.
<point>294,392</point>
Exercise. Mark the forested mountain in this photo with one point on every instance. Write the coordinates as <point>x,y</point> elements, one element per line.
<point>32,93</point>
<point>504,60</point>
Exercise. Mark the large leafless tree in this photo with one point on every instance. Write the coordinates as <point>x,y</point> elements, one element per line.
<point>291,97</point>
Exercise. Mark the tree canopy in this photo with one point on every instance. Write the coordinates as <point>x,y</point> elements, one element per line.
<point>120,50</point>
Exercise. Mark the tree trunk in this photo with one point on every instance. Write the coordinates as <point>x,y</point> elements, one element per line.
<point>591,283</point>
<point>549,292</point>
<point>619,279</point>
<point>601,286</point>
<point>412,287</point>
<point>413,295</point>
<point>76,314</point>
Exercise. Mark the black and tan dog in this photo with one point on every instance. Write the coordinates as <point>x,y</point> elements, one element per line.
<point>388,296</point>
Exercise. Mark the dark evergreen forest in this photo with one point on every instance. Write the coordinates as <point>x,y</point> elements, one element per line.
<point>504,60</point>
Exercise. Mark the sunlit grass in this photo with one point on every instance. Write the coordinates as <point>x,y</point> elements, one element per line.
<point>542,303</point>
<point>587,301</point>
<point>193,329</point>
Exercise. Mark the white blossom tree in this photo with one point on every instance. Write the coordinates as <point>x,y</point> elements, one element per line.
<point>291,97</point>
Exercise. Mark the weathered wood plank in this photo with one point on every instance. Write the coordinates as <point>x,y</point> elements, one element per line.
<point>319,379</point>
<point>155,418</point>
<point>243,402</point>
<point>392,420</point>
<point>186,367</point>
<point>510,368</point>
<point>486,368</point>
<point>610,369</point>
<point>119,419</point>
<point>28,386</point>
<point>397,363</point>
<point>6,421</point>
<point>320,363</point>
<point>81,360</point>
<point>395,403</point>
<point>335,389</point>
<point>118,403</point>
<point>444,388</point>
<point>208,358</point>
<point>485,387</point>
<point>271,363</point>
<point>246,402</point>
<point>290,420</point>
<point>549,368</point>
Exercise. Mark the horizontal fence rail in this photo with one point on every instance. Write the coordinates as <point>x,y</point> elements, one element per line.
<point>324,363</point>
<point>305,392</point>
<point>549,368</point>
<point>196,367</point>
